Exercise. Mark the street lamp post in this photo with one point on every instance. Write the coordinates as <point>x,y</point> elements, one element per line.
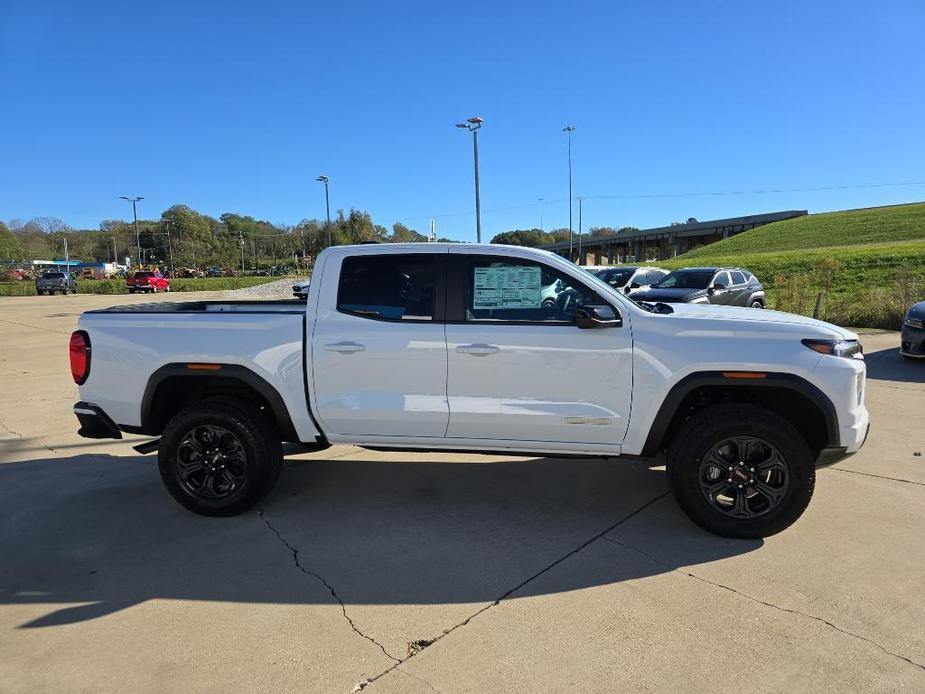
<point>568,130</point>
<point>327,204</point>
<point>134,202</point>
<point>169,248</point>
<point>580,199</point>
<point>472,125</point>
<point>540,201</point>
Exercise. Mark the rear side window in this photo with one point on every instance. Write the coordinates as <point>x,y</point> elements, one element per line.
<point>387,287</point>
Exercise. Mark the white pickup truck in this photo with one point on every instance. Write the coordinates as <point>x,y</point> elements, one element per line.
<point>424,347</point>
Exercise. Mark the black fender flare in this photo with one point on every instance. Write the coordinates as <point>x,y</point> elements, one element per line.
<point>231,371</point>
<point>737,379</point>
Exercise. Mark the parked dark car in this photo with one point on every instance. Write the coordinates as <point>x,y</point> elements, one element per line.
<point>706,285</point>
<point>912,343</point>
<point>51,282</point>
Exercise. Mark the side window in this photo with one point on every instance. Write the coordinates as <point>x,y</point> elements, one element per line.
<point>388,287</point>
<point>722,278</point>
<point>738,278</point>
<point>523,291</point>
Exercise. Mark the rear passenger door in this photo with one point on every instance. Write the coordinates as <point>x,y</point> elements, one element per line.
<point>378,349</point>
<point>740,288</point>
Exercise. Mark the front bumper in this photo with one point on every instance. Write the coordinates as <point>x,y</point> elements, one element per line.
<point>94,422</point>
<point>912,342</point>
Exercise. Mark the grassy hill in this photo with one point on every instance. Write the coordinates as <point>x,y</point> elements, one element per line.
<point>848,228</point>
<point>870,262</point>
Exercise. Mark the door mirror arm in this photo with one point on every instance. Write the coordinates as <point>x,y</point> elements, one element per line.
<point>588,317</point>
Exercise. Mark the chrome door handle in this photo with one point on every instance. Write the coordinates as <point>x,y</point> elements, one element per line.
<point>344,347</point>
<point>478,350</point>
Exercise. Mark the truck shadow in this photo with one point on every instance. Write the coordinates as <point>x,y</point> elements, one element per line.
<point>889,365</point>
<point>88,535</point>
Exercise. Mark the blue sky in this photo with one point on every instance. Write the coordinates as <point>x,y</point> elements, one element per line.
<point>230,106</point>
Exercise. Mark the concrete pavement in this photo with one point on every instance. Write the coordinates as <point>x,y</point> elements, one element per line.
<point>400,573</point>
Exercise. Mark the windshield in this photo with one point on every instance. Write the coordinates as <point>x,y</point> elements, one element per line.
<point>617,278</point>
<point>144,274</point>
<point>685,279</point>
<point>54,275</point>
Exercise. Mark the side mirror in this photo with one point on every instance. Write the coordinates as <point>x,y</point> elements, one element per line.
<point>597,317</point>
<point>718,287</point>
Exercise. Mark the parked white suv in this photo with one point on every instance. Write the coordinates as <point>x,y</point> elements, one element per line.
<point>425,347</point>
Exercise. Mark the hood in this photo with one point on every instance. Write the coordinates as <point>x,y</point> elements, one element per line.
<point>917,310</point>
<point>668,295</point>
<point>757,315</point>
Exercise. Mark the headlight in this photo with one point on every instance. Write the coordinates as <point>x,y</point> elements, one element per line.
<point>914,322</point>
<point>837,348</point>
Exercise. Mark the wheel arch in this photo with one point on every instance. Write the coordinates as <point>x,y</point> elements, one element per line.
<point>173,387</point>
<point>790,396</point>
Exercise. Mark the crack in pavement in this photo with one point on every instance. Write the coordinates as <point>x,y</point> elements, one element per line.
<point>35,327</point>
<point>881,477</point>
<point>508,593</point>
<point>763,602</point>
<point>15,433</point>
<point>418,678</point>
<point>321,579</point>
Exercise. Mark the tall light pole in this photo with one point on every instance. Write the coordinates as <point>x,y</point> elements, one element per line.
<point>472,125</point>
<point>327,204</point>
<point>580,199</point>
<point>134,202</point>
<point>166,223</point>
<point>540,201</point>
<point>568,130</point>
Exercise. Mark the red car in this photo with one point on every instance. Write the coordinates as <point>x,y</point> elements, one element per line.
<point>147,281</point>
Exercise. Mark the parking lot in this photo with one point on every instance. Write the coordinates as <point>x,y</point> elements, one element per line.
<point>391,572</point>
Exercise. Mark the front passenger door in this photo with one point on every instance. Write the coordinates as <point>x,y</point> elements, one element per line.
<point>522,371</point>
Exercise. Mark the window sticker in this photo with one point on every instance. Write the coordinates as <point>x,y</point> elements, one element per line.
<point>514,286</point>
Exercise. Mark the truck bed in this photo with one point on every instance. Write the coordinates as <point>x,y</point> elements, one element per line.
<point>130,343</point>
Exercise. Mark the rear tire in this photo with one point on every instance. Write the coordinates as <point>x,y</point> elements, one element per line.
<point>220,457</point>
<point>772,475</point>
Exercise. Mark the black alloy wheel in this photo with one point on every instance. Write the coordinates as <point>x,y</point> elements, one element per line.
<point>739,470</point>
<point>743,477</point>
<point>211,462</point>
<point>219,457</point>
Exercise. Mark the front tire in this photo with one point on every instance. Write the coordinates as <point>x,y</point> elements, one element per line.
<point>219,458</point>
<point>741,471</point>
<point>757,303</point>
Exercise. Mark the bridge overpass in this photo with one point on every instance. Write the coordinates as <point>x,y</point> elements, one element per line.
<point>661,243</point>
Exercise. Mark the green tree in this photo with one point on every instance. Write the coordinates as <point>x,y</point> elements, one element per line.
<point>9,244</point>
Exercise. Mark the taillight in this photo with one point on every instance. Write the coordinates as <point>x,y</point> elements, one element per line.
<point>80,356</point>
